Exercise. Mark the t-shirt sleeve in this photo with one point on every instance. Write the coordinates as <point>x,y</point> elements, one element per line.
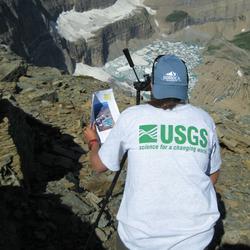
<point>215,156</point>
<point>113,149</point>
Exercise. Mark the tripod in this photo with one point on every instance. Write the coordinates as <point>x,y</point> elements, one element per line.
<point>139,86</point>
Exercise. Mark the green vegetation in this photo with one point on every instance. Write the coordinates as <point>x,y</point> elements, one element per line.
<point>242,40</point>
<point>213,48</point>
<point>85,77</point>
<point>246,70</point>
<point>176,16</point>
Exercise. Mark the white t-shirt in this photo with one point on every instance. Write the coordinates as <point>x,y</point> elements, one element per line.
<point>168,194</point>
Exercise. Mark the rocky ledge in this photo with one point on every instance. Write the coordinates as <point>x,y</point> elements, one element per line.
<point>223,89</point>
<point>49,195</point>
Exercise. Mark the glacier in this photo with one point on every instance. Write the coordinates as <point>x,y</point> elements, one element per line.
<point>124,76</point>
<point>73,25</point>
<point>118,71</point>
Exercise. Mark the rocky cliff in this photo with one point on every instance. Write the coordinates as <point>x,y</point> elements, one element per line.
<point>25,28</point>
<point>224,17</point>
<point>223,89</point>
<point>28,28</point>
<point>49,194</point>
<point>56,7</point>
<point>96,50</point>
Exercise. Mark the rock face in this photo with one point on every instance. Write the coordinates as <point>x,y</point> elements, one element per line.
<point>49,194</point>
<point>223,89</point>
<point>11,66</point>
<point>213,17</point>
<point>224,79</point>
<point>28,28</point>
<point>24,27</point>
<point>96,51</point>
<point>54,8</point>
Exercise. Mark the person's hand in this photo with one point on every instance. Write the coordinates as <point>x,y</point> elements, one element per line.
<point>90,135</point>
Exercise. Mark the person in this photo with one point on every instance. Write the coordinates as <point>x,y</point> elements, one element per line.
<point>169,200</point>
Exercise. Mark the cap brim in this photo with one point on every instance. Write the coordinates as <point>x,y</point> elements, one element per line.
<point>160,91</point>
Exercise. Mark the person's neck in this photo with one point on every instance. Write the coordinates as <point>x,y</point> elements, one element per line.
<point>168,103</point>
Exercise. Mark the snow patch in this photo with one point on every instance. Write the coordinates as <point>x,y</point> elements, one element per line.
<point>119,72</point>
<point>239,72</point>
<point>74,25</point>
<point>96,72</point>
<point>156,23</point>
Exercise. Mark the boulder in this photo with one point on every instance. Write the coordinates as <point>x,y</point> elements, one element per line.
<point>11,66</point>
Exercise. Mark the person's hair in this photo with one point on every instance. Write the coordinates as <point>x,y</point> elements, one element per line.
<point>167,103</point>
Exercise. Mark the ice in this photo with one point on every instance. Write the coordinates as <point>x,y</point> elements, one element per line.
<point>124,68</point>
<point>239,72</point>
<point>98,73</point>
<point>156,23</point>
<point>74,25</point>
<point>119,72</point>
<point>139,60</point>
<point>143,60</point>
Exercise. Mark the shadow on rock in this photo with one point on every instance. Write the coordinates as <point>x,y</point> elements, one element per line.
<point>219,227</point>
<point>219,231</point>
<point>45,153</point>
<point>31,216</point>
<point>27,29</point>
<point>39,222</point>
<point>235,247</point>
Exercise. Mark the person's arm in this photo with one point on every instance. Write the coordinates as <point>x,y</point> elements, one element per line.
<point>91,138</point>
<point>214,177</point>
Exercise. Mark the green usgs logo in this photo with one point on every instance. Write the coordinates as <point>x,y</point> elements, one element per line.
<point>178,134</point>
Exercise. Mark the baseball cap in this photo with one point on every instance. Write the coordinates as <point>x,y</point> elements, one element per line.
<point>169,78</point>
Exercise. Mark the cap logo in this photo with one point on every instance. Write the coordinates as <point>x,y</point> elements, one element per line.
<point>171,77</point>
